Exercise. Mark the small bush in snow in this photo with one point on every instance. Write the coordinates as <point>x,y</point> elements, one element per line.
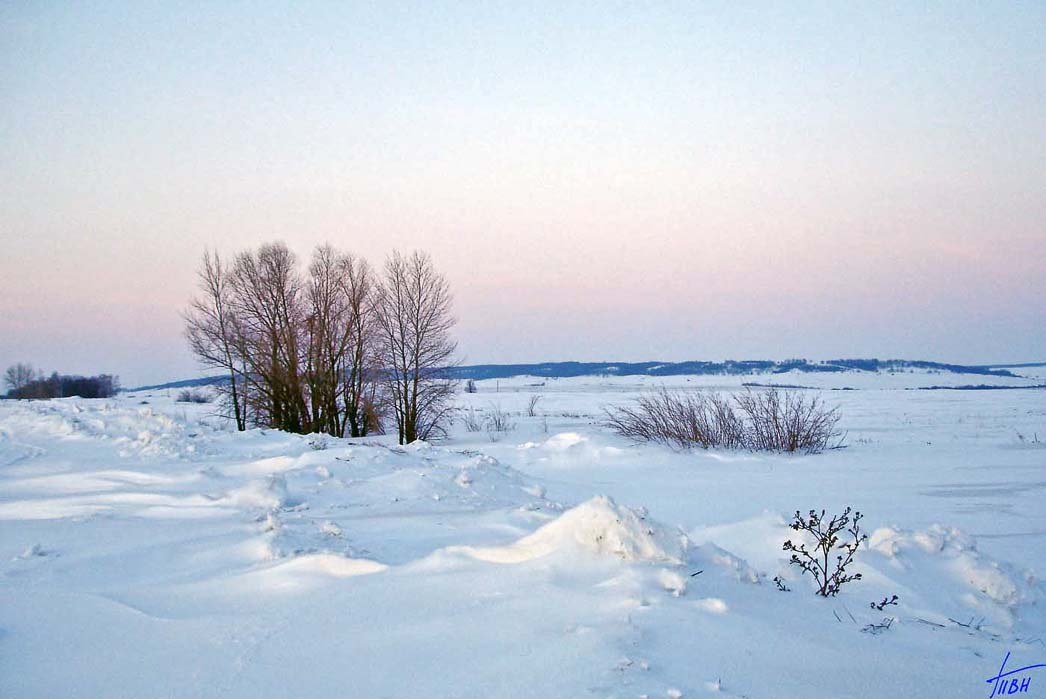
<point>470,386</point>
<point>188,396</point>
<point>497,422</point>
<point>830,575</point>
<point>473,422</point>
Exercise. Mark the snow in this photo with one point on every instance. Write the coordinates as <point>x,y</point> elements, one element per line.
<point>148,550</point>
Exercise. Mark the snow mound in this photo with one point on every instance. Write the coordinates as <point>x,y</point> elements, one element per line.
<point>564,441</point>
<point>329,565</point>
<point>307,571</point>
<point>570,446</point>
<point>599,526</point>
<point>941,568</point>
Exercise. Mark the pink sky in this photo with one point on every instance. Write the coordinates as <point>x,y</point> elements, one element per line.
<point>666,185</point>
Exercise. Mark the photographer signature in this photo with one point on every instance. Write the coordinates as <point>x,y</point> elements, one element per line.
<point>1012,681</point>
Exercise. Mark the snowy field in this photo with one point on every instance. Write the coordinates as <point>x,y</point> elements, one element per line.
<point>148,551</point>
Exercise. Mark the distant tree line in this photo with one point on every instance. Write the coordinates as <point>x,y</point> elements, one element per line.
<point>22,381</point>
<point>335,348</point>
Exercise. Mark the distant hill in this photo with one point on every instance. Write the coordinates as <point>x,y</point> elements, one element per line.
<point>184,383</point>
<point>729,367</point>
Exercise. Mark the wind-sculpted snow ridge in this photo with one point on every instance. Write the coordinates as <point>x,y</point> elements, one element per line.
<point>296,572</point>
<point>139,430</point>
<point>306,509</point>
<point>599,526</point>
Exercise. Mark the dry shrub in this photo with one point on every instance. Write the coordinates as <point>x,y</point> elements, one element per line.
<point>830,575</point>
<point>192,396</point>
<point>532,405</point>
<point>679,420</point>
<point>497,422</point>
<point>766,421</point>
<point>787,421</point>
<point>473,421</point>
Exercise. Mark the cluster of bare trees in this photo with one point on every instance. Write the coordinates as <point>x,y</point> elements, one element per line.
<point>22,381</point>
<point>770,420</point>
<point>334,349</point>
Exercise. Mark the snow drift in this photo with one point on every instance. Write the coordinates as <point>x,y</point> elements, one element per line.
<point>599,526</point>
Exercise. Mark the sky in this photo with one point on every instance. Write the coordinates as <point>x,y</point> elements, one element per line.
<point>598,181</point>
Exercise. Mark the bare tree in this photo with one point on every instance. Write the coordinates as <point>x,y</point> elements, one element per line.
<point>268,305</point>
<point>413,314</point>
<point>212,334</point>
<point>359,388</point>
<point>327,333</point>
<point>18,375</point>
<point>339,337</point>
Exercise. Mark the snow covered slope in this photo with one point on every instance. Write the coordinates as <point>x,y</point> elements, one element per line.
<point>147,550</point>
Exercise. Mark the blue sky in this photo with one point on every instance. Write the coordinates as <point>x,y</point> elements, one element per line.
<point>598,181</point>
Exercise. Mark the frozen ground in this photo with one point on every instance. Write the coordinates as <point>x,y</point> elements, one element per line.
<point>146,551</point>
